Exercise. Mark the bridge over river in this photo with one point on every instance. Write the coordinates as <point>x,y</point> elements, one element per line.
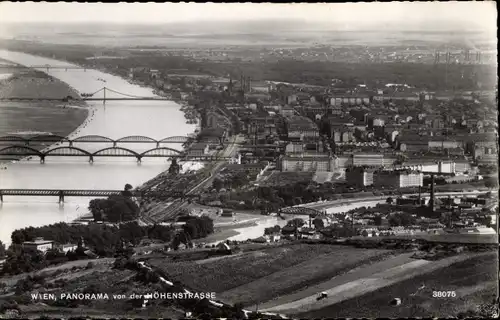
<point>119,96</point>
<point>14,139</point>
<point>67,151</point>
<point>91,193</point>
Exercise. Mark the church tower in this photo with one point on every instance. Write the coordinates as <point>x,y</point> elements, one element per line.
<point>230,85</point>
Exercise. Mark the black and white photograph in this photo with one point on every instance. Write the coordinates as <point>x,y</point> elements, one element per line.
<point>249,160</point>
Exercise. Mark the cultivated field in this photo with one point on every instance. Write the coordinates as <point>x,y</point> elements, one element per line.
<point>302,275</point>
<point>474,280</point>
<point>263,274</point>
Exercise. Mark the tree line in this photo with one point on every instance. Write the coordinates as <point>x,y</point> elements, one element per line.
<point>103,240</point>
<point>116,208</point>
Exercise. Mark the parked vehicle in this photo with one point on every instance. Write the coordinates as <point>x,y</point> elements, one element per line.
<point>322,295</point>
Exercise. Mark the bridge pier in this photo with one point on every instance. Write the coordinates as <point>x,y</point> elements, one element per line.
<point>158,144</point>
<point>1,196</point>
<point>42,159</point>
<point>91,159</point>
<point>139,159</point>
<point>70,143</point>
<point>114,144</point>
<point>61,196</point>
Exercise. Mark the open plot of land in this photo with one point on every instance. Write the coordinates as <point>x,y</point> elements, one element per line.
<point>225,274</point>
<point>285,178</point>
<point>43,117</point>
<point>321,268</point>
<point>484,239</point>
<point>474,279</point>
<point>352,275</point>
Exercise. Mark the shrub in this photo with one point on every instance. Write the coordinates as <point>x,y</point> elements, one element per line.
<point>6,305</point>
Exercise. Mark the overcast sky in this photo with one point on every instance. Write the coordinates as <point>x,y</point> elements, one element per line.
<point>479,13</point>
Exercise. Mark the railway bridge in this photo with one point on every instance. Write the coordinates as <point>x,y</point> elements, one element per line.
<point>88,193</point>
<point>67,151</point>
<point>27,141</point>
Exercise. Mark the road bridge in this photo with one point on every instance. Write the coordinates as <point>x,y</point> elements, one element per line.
<point>90,139</point>
<point>91,97</point>
<point>88,193</point>
<point>261,146</point>
<point>67,151</point>
<point>301,211</point>
<point>47,67</point>
<point>21,99</point>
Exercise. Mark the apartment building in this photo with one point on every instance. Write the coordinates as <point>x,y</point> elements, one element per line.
<point>307,163</point>
<point>398,179</point>
<point>302,128</point>
<point>367,159</point>
<point>38,244</point>
<point>359,176</point>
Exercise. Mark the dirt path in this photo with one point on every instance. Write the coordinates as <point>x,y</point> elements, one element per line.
<point>358,282</point>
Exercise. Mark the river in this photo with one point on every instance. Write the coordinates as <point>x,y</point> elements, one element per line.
<point>155,119</point>
<point>258,230</point>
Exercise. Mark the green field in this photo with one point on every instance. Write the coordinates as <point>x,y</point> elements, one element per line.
<point>475,281</point>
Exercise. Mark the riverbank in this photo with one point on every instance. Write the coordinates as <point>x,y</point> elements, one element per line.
<point>117,119</point>
<point>45,117</point>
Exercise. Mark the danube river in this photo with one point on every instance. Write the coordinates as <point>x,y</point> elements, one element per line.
<point>155,119</point>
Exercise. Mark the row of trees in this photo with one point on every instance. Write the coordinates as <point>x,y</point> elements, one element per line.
<point>400,219</point>
<point>20,261</point>
<point>195,228</point>
<point>100,237</point>
<point>272,198</point>
<point>199,227</point>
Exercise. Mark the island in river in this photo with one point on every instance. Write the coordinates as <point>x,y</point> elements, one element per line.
<point>49,117</point>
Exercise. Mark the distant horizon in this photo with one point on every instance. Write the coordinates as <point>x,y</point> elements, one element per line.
<point>429,26</point>
<point>404,15</point>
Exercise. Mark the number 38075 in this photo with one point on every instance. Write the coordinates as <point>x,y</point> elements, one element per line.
<point>444,294</point>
